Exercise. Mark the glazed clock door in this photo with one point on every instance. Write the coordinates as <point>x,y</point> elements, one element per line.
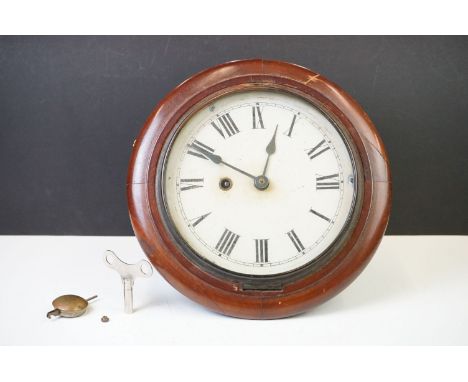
<point>259,183</point>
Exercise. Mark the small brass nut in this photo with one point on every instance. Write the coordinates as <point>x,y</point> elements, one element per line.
<point>104,319</point>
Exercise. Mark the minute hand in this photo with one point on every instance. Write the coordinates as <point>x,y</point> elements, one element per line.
<point>218,160</point>
<point>270,149</point>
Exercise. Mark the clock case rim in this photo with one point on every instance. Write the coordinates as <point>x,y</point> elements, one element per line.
<point>259,282</point>
<point>226,296</point>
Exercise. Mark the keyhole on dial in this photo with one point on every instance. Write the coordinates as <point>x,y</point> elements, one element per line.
<point>225,184</point>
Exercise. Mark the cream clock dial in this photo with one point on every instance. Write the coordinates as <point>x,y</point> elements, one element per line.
<point>258,182</point>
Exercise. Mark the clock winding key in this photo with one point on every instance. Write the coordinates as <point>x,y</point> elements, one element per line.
<point>128,272</point>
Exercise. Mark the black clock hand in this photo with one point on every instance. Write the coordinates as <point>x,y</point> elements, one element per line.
<point>270,149</point>
<point>218,160</point>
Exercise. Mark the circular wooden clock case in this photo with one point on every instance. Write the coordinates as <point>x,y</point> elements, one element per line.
<point>225,269</point>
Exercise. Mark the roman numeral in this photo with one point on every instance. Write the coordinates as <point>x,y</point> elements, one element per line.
<point>261,250</point>
<point>194,222</point>
<point>228,126</point>
<point>320,215</point>
<point>317,150</point>
<point>190,184</point>
<point>227,242</point>
<point>292,126</point>
<point>327,182</point>
<point>295,240</point>
<point>200,145</point>
<point>257,114</point>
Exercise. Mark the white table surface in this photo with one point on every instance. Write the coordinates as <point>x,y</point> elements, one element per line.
<point>414,291</point>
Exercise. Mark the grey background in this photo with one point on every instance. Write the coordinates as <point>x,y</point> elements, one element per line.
<point>70,108</point>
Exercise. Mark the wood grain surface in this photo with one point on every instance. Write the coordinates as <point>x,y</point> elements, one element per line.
<point>224,294</point>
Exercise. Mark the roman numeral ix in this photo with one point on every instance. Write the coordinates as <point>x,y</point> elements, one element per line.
<point>201,146</point>
<point>327,182</point>
<point>257,114</point>
<point>261,250</point>
<point>227,242</point>
<point>225,126</point>
<point>295,240</point>
<point>317,150</point>
<point>190,184</point>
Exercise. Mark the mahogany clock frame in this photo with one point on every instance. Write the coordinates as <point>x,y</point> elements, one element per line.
<point>225,294</point>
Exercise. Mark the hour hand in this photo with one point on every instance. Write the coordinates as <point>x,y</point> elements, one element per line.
<point>213,157</point>
<point>218,160</point>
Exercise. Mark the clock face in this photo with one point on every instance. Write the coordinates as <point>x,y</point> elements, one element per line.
<point>258,183</point>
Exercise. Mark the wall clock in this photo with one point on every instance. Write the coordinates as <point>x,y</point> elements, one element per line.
<point>259,189</point>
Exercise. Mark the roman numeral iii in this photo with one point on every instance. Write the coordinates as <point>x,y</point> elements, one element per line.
<point>190,184</point>
<point>225,126</point>
<point>295,240</point>
<point>200,146</point>
<point>327,182</point>
<point>227,242</point>
<point>261,250</point>
<point>317,150</point>
<point>257,117</point>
